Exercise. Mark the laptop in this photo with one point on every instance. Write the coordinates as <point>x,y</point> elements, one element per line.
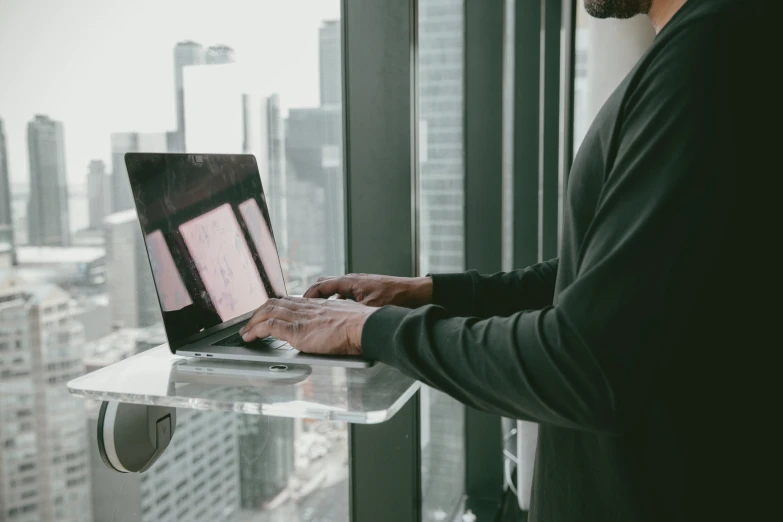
<point>213,256</point>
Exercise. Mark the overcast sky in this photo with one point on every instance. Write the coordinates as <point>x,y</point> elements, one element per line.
<point>103,66</point>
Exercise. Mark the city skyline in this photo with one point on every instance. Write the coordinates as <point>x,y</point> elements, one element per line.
<point>298,141</point>
<point>116,189</point>
<point>131,87</point>
<point>112,285</point>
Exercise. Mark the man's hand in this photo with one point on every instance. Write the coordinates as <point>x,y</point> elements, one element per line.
<point>311,325</point>
<point>375,290</point>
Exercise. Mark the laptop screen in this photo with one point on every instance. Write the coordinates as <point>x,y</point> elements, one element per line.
<point>209,240</point>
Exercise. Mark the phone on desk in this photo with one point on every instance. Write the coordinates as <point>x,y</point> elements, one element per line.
<point>235,373</point>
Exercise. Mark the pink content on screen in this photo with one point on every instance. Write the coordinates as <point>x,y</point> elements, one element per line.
<point>224,262</point>
<point>265,244</point>
<point>171,289</point>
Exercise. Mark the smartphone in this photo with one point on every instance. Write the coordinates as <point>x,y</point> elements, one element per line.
<point>234,373</point>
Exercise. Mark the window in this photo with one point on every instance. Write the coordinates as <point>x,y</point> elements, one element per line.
<point>239,76</point>
<point>441,230</point>
<point>594,80</point>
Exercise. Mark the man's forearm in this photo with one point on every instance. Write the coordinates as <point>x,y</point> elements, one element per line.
<point>473,295</point>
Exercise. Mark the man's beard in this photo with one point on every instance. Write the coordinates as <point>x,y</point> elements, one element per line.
<point>617,8</point>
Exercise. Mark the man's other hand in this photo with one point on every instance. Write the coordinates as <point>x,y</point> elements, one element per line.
<point>311,325</point>
<point>375,290</point>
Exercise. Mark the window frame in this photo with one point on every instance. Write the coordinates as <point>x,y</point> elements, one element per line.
<point>381,182</point>
<point>380,136</point>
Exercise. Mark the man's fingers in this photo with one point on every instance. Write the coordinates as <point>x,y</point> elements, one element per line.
<point>257,317</point>
<point>270,327</point>
<point>291,309</point>
<point>272,308</point>
<point>301,303</point>
<point>280,311</point>
<point>328,287</point>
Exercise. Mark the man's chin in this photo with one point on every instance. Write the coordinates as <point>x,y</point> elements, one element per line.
<point>621,9</point>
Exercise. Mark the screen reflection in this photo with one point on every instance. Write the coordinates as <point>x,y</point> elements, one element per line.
<point>262,238</point>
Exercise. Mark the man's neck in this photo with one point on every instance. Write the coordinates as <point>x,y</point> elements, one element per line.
<point>661,11</point>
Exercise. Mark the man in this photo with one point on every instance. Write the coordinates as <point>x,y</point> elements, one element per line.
<point>633,351</point>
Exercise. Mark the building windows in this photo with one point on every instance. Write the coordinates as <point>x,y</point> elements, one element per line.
<point>76,482</point>
<point>441,227</point>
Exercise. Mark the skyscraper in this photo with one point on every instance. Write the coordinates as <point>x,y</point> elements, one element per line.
<point>441,211</point>
<point>313,146</point>
<point>330,59</point>
<point>44,464</point>
<point>220,54</point>
<point>226,116</point>
<point>18,500</point>
<point>215,109</point>
<point>197,477</point>
<point>6,221</point>
<point>314,167</point>
<point>98,194</point>
<point>122,142</point>
<point>271,442</point>
<point>47,212</point>
<point>132,296</point>
<point>441,34</point>
<point>185,53</point>
<point>276,188</point>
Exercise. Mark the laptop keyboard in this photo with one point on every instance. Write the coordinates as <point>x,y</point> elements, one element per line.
<point>269,343</point>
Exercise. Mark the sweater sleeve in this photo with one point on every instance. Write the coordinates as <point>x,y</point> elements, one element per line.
<point>589,361</point>
<point>504,293</point>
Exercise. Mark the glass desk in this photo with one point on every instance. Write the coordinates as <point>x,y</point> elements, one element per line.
<point>339,443</point>
<point>157,377</point>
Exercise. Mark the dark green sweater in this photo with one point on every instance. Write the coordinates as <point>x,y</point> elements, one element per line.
<point>629,347</point>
